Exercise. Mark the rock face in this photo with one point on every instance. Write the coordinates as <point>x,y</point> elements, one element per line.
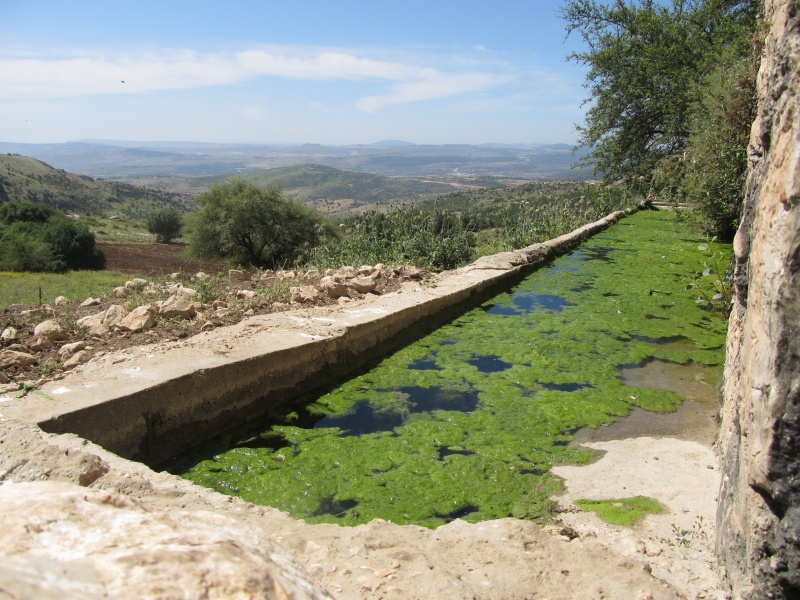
<point>758,523</point>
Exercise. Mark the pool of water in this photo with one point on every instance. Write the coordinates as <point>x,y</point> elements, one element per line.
<point>467,421</point>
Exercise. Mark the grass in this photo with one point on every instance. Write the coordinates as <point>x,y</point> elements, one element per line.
<point>24,288</point>
<point>622,511</point>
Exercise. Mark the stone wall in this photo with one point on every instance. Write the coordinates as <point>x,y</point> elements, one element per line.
<point>758,524</point>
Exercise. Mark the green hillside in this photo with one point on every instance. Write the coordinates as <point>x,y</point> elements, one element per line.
<point>24,179</point>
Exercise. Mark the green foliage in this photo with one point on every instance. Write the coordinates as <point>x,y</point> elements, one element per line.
<point>622,511</point>
<point>23,287</point>
<point>252,226</point>
<point>166,224</point>
<point>670,83</point>
<point>407,235</point>
<point>37,238</point>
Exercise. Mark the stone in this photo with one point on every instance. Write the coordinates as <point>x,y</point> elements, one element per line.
<point>202,276</point>
<point>121,291</point>
<point>245,294</point>
<point>135,283</point>
<point>346,272</point>
<point>61,301</point>
<point>179,288</point>
<point>90,302</point>
<point>365,270</point>
<point>414,273</point>
<point>41,343</point>
<point>50,329</point>
<point>287,274</point>
<point>249,312</point>
<point>71,348</point>
<point>11,358</point>
<point>362,285</point>
<point>94,323</point>
<point>139,319</point>
<point>79,358</point>
<point>114,316</point>
<point>306,294</point>
<point>18,348</point>
<point>4,378</point>
<point>9,334</point>
<point>219,304</point>
<point>177,306</point>
<point>207,326</point>
<point>334,289</point>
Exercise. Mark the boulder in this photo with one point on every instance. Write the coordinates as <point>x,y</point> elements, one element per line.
<point>94,323</point>
<point>306,294</point>
<point>139,319</point>
<point>11,358</point>
<point>114,316</point>
<point>177,306</point>
<point>79,358</point>
<point>50,329</point>
<point>9,334</point>
<point>71,348</point>
<point>362,285</point>
<point>334,289</point>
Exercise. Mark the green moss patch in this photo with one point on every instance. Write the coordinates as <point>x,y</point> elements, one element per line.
<point>622,511</point>
<point>467,421</point>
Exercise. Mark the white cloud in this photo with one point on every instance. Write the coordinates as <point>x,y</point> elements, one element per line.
<point>36,78</point>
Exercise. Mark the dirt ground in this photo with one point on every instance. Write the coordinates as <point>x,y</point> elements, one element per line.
<point>149,259</point>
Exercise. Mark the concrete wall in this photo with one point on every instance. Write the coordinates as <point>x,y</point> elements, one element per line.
<point>758,525</point>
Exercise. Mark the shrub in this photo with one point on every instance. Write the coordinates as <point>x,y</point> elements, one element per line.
<point>166,224</point>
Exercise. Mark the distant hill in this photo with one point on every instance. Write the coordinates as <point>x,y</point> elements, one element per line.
<point>125,160</point>
<point>25,179</point>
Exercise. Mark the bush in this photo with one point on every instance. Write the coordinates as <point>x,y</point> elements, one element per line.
<point>166,224</point>
<point>37,238</point>
<point>252,226</point>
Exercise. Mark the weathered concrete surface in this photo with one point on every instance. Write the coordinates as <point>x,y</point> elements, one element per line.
<point>133,533</point>
<point>152,402</point>
<point>758,523</point>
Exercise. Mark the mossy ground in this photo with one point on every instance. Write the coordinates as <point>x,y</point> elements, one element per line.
<point>467,421</point>
<point>622,511</point>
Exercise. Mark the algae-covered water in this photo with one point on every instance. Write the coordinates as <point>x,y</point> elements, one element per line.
<point>467,421</point>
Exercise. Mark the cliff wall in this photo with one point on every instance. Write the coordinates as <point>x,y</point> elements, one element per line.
<point>758,524</point>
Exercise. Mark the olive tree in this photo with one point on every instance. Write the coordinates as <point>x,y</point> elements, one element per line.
<point>252,226</point>
<point>166,224</point>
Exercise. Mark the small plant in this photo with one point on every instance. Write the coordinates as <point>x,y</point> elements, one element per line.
<point>622,511</point>
<point>713,283</point>
<point>686,537</point>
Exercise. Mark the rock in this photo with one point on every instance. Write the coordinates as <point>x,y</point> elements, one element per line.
<point>8,388</point>
<point>174,276</point>
<point>9,334</point>
<point>135,283</point>
<point>139,319</point>
<point>239,275</point>
<point>90,302</point>
<point>245,294</point>
<point>249,312</point>
<point>365,270</point>
<point>202,276</point>
<point>4,378</point>
<point>414,273</point>
<point>12,358</point>
<point>362,285</point>
<point>134,552</point>
<point>79,358</point>
<point>178,288</point>
<point>71,348</point>
<point>219,304</point>
<point>287,274</point>
<point>346,272</point>
<point>41,343</point>
<point>343,300</point>
<point>121,292</point>
<point>18,348</point>
<point>329,272</point>
<point>312,274</point>
<point>114,316</point>
<point>306,294</point>
<point>50,329</point>
<point>207,326</point>
<point>61,301</point>
<point>177,307</point>
<point>94,323</point>
<point>334,289</point>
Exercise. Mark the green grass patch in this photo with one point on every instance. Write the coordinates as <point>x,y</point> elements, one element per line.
<point>622,511</point>
<point>23,288</point>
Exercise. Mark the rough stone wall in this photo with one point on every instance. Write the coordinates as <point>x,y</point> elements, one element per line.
<point>758,524</point>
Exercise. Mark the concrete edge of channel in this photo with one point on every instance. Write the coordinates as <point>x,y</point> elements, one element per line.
<point>156,401</point>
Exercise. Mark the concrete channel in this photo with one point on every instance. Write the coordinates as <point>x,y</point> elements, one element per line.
<point>152,402</point>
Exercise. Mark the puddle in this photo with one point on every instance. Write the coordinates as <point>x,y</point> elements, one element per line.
<point>565,387</point>
<point>489,364</point>
<point>363,420</point>
<point>691,381</point>
<point>425,364</point>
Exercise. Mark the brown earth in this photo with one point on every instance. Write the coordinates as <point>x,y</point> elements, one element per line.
<point>150,259</point>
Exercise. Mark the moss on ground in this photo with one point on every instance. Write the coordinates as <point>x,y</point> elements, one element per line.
<point>467,421</point>
<point>622,511</point>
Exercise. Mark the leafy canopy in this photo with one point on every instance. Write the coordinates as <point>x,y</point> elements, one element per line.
<point>647,62</point>
<point>166,224</point>
<point>252,226</point>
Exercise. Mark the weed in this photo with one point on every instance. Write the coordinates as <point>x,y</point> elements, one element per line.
<point>714,282</point>
<point>686,537</point>
<point>622,511</point>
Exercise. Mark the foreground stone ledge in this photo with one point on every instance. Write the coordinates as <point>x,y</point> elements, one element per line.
<point>151,402</point>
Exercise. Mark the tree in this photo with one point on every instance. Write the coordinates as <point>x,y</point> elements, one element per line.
<point>166,224</point>
<point>35,237</point>
<point>647,62</point>
<point>250,225</point>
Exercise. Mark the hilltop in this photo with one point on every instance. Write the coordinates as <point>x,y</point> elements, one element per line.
<point>25,179</point>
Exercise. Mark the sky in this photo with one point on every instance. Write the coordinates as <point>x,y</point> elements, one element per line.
<point>334,72</point>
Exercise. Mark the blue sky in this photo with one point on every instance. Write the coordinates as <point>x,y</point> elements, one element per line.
<point>294,71</point>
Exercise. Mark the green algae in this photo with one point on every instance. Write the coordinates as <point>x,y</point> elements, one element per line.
<point>622,511</point>
<point>466,422</point>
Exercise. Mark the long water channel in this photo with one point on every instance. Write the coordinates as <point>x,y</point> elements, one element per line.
<point>467,421</point>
